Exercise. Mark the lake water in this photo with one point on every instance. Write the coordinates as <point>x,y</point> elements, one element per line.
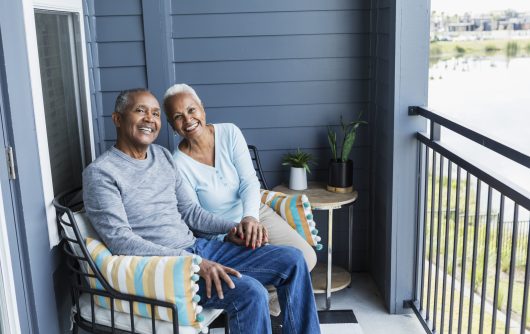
<point>492,96</point>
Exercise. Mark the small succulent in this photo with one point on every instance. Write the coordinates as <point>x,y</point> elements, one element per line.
<point>298,159</point>
<point>349,134</point>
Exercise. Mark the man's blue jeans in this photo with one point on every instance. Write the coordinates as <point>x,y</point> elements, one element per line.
<point>247,305</point>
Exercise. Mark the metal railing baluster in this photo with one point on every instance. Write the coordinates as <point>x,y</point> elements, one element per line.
<point>464,253</point>
<point>526,283</point>
<point>455,248</point>
<point>423,253</point>
<point>500,229</point>
<point>446,245</point>
<point>513,258</point>
<point>431,234</point>
<point>438,240</point>
<point>474,259</point>
<point>485,267</point>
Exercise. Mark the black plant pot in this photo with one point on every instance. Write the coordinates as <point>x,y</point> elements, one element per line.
<point>340,176</point>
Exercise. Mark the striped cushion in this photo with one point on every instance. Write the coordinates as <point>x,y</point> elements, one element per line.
<point>167,278</point>
<point>296,210</point>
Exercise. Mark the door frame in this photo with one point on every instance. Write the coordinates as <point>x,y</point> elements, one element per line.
<point>76,8</point>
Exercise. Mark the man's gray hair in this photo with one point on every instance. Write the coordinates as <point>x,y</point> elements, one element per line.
<point>179,89</point>
<point>122,101</point>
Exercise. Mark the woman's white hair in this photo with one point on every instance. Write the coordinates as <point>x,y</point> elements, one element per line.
<point>179,89</point>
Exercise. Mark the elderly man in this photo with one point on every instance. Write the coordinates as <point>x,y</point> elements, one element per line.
<point>134,200</point>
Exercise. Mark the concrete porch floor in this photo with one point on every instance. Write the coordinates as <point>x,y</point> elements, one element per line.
<point>367,305</point>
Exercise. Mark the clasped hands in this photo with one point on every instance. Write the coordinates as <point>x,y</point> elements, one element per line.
<point>249,233</point>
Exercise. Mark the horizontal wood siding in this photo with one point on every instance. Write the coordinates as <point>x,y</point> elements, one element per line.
<point>283,71</point>
<point>245,6</point>
<point>271,47</point>
<point>119,48</point>
<point>259,24</point>
<point>267,70</point>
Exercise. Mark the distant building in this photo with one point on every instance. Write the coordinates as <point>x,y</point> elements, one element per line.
<point>461,26</point>
<point>444,26</point>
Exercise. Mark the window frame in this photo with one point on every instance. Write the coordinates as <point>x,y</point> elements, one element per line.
<point>74,7</point>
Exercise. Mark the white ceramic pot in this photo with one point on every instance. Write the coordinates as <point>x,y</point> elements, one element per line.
<point>298,179</point>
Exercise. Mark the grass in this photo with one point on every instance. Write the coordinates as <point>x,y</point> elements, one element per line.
<point>518,287</point>
<point>488,314</point>
<point>444,230</point>
<point>491,48</point>
<point>446,49</point>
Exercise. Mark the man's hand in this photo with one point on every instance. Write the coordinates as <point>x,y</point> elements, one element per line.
<point>252,232</point>
<point>234,238</point>
<point>213,272</point>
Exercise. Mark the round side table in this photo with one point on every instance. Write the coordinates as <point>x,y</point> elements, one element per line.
<point>328,278</point>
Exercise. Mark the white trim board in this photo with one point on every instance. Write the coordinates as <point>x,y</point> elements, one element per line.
<point>71,6</point>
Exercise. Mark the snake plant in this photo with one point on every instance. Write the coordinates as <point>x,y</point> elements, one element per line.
<point>349,131</point>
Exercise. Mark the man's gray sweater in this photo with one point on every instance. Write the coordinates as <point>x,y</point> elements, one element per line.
<point>138,208</point>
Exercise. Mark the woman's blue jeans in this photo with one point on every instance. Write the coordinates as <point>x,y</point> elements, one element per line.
<point>247,305</point>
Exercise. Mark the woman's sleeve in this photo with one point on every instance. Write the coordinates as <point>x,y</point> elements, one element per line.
<point>192,194</point>
<point>248,181</point>
<point>200,221</point>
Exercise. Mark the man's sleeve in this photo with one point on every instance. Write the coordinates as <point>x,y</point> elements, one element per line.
<point>200,221</point>
<point>104,206</point>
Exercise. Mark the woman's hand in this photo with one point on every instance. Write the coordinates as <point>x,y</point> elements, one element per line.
<point>213,273</point>
<point>252,232</point>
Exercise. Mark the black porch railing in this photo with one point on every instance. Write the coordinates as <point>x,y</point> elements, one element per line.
<point>473,252</point>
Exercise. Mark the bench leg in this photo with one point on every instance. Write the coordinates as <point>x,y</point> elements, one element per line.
<point>227,324</point>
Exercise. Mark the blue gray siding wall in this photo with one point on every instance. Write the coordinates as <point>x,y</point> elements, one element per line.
<point>281,71</point>
<point>411,86</point>
<point>118,55</point>
<point>382,116</point>
<point>400,54</point>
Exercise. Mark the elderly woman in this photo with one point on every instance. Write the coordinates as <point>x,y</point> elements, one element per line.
<point>215,161</point>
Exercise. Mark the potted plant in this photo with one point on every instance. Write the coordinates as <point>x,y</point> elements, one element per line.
<point>340,172</point>
<point>299,162</point>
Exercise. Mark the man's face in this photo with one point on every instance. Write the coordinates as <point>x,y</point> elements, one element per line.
<point>139,125</point>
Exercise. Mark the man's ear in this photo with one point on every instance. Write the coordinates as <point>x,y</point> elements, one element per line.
<point>116,119</point>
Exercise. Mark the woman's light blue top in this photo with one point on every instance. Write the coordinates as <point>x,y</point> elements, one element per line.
<point>230,189</point>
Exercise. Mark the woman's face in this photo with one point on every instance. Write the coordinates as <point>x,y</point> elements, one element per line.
<point>186,115</point>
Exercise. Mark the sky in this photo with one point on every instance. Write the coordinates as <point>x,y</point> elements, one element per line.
<point>478,6</point>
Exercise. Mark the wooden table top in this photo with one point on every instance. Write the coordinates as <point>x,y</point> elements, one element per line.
<point>319,197</point>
